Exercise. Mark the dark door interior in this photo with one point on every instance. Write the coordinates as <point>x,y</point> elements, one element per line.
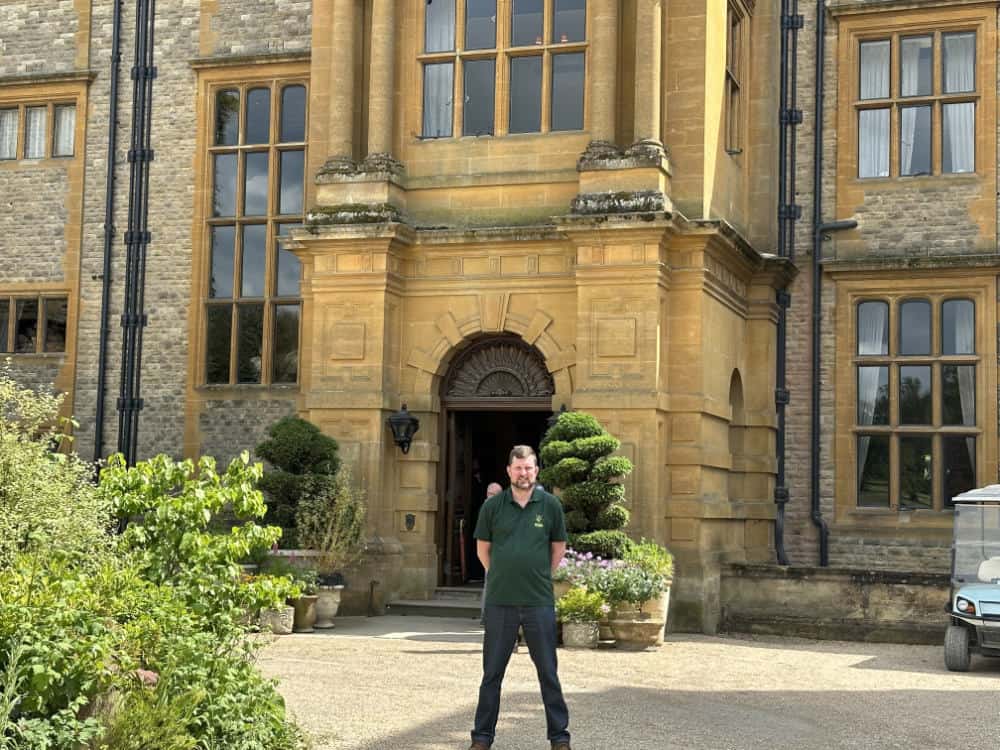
<point>478,445</point>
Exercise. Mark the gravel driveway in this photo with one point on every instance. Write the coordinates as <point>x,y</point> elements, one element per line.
<point>411,683</point>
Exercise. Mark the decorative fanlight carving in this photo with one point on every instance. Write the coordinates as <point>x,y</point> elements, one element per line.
<point>499,369</point>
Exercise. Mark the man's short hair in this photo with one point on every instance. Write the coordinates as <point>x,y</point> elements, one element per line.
<point>522,451</point>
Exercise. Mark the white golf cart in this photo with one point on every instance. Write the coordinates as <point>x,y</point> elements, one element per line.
<point>975,579</point>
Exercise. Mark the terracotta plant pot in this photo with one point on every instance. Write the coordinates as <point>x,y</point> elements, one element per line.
<point>327,605</point>
<point>305,613</point>
<point>580,634</point>
<point>637,634</point>
<point>278,621</point>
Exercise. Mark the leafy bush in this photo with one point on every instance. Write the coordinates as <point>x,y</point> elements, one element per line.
<point>577,568</point>
<point>303,461</point>
<point>331,520</point>
<point>652,558</point>
<point>580,605</point>
<point>627,584</point>
<point>45,494</point>
<point>576,452</point>
<point>613,544</point>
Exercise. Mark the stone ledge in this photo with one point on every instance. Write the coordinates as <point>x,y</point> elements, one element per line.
<point>353,213</point>
<point>836,630</point>
<point>643,202</point>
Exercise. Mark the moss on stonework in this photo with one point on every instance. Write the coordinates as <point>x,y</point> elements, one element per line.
<point>353,213</point>
<point>621,202</point>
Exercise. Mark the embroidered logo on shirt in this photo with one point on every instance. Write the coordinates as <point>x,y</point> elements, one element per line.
<point>539,522</point>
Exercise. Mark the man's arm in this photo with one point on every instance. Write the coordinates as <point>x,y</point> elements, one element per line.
<point>558,550</point>
<point>483,552</point>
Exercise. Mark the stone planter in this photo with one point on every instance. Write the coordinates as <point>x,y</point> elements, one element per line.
<point>637,634</point>
<point>580,634</point>
<point>305,613</point>
<point>327,605</point>
<point>278,621</point>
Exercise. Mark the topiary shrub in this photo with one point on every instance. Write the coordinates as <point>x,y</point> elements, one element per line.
<point>576,452</point>
<point>302,458</point>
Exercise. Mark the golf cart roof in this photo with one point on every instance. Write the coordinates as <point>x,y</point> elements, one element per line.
<point>988,494</point>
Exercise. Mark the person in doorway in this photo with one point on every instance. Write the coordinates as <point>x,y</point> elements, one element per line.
<point>520,539</point>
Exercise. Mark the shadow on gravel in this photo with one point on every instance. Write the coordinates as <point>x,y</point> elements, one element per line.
<point>645,719</point>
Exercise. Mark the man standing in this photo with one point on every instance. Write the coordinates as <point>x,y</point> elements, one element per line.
<point>520,539</point>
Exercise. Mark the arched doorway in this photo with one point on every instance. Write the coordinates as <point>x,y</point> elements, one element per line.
<point>497,393</point>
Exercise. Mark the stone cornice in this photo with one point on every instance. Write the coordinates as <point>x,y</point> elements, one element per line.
<point>36,79</point>
<point>221,61</point>
<point>856,7</point>
<point>929,264</point>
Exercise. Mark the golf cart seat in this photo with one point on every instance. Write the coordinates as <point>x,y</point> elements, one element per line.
<point>989,570</point>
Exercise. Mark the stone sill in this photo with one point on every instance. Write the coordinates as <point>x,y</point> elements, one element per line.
<point>855,575</point>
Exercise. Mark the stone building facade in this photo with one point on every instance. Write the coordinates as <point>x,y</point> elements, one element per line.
<point>488,211</point>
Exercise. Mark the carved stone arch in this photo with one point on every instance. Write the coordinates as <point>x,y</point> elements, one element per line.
<point>498,367</point>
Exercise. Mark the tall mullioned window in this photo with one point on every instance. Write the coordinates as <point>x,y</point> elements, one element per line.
<point>737,47</point>
<point>917,420</point>
<point>253,305</point>
<point>916,104</point>
<point>536,48</point>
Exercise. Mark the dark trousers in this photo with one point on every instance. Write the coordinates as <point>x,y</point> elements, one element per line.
<point>539,625</point>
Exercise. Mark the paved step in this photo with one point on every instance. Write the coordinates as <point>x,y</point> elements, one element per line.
<point>434,608</point>
<point>459,593</point>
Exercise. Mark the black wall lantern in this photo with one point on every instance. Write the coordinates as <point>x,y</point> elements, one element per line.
<point>404,426</point>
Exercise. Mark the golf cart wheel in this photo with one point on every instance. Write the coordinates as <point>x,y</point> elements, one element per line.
<point>956,649</point>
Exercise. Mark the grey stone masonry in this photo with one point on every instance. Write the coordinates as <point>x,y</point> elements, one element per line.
<point>33,372</point>
<point>38,36</point>
<point>229,426</point>
<point>33,223</point>
<point>251,27</point>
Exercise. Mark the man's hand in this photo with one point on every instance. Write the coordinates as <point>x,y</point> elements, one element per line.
<point>483,553</point>
<point>558,550</point>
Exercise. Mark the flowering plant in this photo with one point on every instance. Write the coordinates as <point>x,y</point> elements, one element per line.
<point>628,583</point>
<point>580,605</point>
<point>577,568</point>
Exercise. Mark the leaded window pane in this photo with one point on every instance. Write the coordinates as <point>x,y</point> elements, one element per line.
<point>26,326</point>
<point>958,138</point>
<point>959,61</point>
<point>4,324</point>
<point>218,337</point>
<point>958,395</point>
<point>255,184</point>
<point>250,339</point>
<point>958,327</point>
<point>959,466</point>
<point>254,260</point>
<point>292,166</point>
<point>873,471</point>
<point>439,26</point>
<point>65,129</point>
<point>567,91</point>
<point>525,95</point>
<point>224,187</point>
<point>915,394</point>
<point>258,116</point>
<point>570,22</point>
<point>875,69</point>
<point>915,327</point>
<point>917,65</point>
<point>34,132</point>
<point>293,114</point>
<point>527,18</point>
<point>8,133</point>
<point>873,395</point>
<point>480,24</point>
<point>479,97</point>
<point>289,269</point>
<point>438,92</point>
<point>915,140</point>
<point>55,324</point>
<point>223,253</point>
<point>873,328</point>
<point>873,143</point>
<point>227,117</point>
<point>286,344</point>
<point>916,472</point>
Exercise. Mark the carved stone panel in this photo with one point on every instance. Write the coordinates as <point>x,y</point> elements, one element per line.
<point>499,368</point>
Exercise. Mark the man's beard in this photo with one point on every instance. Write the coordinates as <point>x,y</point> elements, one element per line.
<point>523,483</point>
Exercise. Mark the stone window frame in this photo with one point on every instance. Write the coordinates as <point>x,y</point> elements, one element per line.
<point>946,285</point>
<point>41,299</point>
<point>243,74</point>
<point>858,24</point>
<point>502,53</point>
<point>50,92</point>
<point>737,67</point>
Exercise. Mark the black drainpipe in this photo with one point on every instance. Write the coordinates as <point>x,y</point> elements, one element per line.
<point>819,231</point>
<point>788,212</point>
<point>137,236</point>
<point>109,231</point>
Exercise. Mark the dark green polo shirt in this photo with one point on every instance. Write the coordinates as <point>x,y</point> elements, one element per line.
<point>521,547</point>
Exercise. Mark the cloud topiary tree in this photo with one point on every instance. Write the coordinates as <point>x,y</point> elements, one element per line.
<point>576,453</point>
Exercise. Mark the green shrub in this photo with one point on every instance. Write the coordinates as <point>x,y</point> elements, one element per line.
<point>299,447</point>
<point>629,584</point>
<point>580,605</point>
<point>331,520</point>
<point>607,544</point>
<point>46,495</point>
<point>579,466</point>
<point>151,718</point>
<point>652,558</point>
